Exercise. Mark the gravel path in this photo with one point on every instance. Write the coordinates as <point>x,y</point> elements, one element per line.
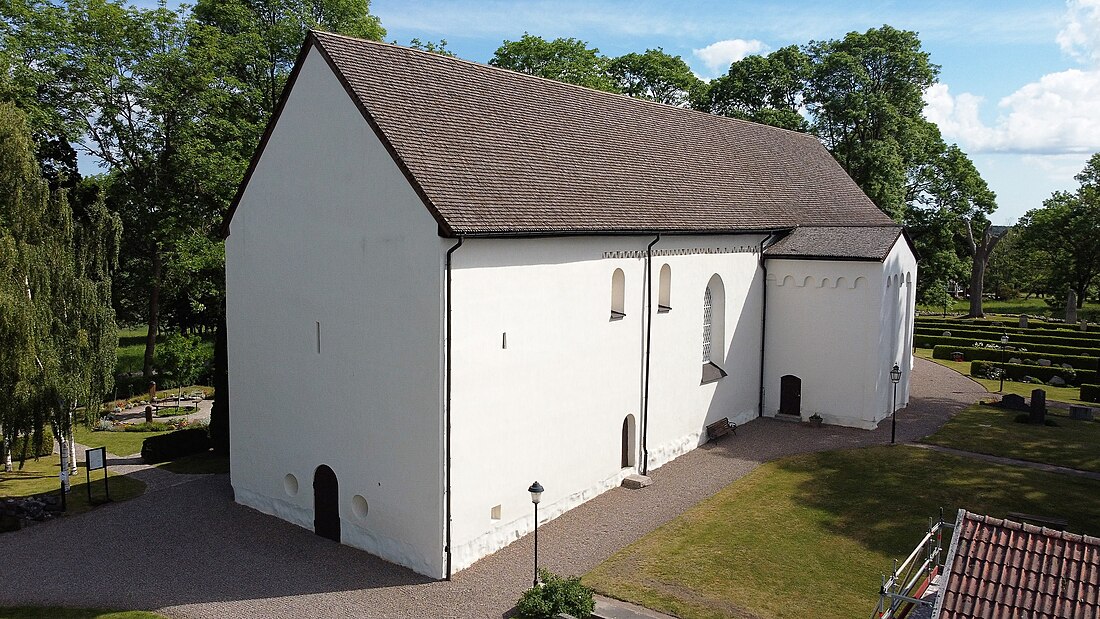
<point>191,552</point>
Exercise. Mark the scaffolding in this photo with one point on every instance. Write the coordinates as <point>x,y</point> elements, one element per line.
<point>904,588</point>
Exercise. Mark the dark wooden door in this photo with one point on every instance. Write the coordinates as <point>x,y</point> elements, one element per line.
<point>326,503</point>
<point>790,395</point>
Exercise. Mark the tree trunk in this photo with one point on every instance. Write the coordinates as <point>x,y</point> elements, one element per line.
<point>981,251</point>
<point>7,453</point>
<point>154,318</point>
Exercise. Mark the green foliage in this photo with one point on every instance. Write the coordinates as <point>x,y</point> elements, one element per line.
<point>655,76</point>
<point>1018,372</point>
<point>429,46</point>
<point>556,595</point>
<point>23,447</point>
<point>1090,393</point>
<point>564,60</point>
<point>174,445</point>
<point>57,612</point>
<point>765,89</point>
<point>185,358</point>
<point>994,354</point>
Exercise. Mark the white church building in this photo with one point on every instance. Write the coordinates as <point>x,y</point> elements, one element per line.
<point>448,280</point>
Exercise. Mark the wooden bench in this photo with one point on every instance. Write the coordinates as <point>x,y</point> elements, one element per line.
<point>720,428</point>
<point>1047,521</point>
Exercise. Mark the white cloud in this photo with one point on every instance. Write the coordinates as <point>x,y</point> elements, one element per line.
<point>719,55</point>
<point>1054,115</point>
<point>1080,36</point>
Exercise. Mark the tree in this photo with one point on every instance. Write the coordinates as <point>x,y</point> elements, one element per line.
<point>655,76</point>
<point>1066,232</point>
<point>764,89</point>
<point>429,46</point>
<point>865,93</point>
<point>56,322</point>
<point>564,60</point>
<point>1016,268</point>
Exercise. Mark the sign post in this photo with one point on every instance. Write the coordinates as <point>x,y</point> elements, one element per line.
<point>97,459</point>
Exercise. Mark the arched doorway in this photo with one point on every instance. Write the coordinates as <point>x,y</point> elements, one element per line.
<point>790,395</point>
<point>326,503</point>
<point>629,446</point>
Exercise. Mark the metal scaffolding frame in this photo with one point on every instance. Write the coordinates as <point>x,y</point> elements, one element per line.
<point>901,591</point>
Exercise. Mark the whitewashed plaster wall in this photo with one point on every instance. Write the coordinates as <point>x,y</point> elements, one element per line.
<point>835,325</point>
<point>898,287</point>
<point>329,232</point>
<point>543,377</point>
<point>822,326</point>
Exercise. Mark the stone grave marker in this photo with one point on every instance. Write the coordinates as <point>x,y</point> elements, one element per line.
<point>1023,321</point>
<point>1071,308</point>
<point>1014,402</point>
<point>1038,412</point>
<point>1044,362</point>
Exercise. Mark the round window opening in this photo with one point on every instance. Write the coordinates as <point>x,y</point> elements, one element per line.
<point>359,506</point>
<point>290,484</point>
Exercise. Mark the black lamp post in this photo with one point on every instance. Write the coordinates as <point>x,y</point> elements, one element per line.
<point>895,377</point>
<point>1004,342</point>
<point>536,495</point>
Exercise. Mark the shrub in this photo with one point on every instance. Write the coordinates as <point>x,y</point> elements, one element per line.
<point>1017,372</point>
<point>1090,393</point>
<point>23,446</point>
<point>174,445</point>
<point>931,341</point>
<point>556,595</point>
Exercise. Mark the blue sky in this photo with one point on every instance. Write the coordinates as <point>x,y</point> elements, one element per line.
<point>1019,81</point>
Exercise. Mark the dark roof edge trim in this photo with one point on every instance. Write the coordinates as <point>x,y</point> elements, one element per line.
<point>367,116</point>
<point>627,232</point>
<point>262,146</point>
<point>824,258</point>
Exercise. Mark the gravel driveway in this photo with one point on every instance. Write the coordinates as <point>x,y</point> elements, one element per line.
<point>189,551</point>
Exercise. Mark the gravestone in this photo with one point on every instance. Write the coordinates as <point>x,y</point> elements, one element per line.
<point>148,414</point>
<point>1044,362</point>
<point>1081,413</point>
<point>1071,308</point>
<point>1038,412</point>
<point>1023,321</point>
<point>1084,324</point>
<point>1014,402</point>
<point>1066,366</point>
<point>1016,360</point>
<point>947,334</point>
<point>1056,381</point>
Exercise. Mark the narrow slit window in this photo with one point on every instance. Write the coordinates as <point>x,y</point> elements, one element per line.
<point>708,302</point>
<point>664,288</point>
<point>618,295</point>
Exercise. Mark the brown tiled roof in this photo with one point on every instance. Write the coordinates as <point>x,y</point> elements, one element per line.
<point>999,568</point>
<point>493,151</point>
<point>836,243</point>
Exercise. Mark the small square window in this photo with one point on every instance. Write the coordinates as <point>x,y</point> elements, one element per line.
<point>494,513</point>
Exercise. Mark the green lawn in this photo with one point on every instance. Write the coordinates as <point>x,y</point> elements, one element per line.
<point>57,612</point>
<point>118,443</point>
<point>38,476</point>
<point>1033,307</point>
<point>989,430</point>
<point>809,536</point>
<point>131,357</point>
<point>1069,395</point>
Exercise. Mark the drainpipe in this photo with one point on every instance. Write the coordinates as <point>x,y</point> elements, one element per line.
<point>447,413</point>
<point>764,244</point>
<point>648,340</point>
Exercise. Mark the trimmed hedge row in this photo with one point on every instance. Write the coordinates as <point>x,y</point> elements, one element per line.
<point>1008,323</point>
<point>988,369</point>
<point>23,446</point>
<point>1024,338</point>
<point>165,447</point>
<point>932,341</point>
<point>1090,393</point>
<point>994,354</point>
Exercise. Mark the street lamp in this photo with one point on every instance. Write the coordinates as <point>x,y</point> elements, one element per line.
<point>536,495</point>
<point>1004,343</point>
<point>895,377</point>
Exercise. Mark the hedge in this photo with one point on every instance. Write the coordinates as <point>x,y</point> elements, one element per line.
<point>165,447</point>
<point>1090,393</point>
<point>931,341</point>
<point>1010,323</point>
<point>1013,371</point>
<point>1023,338</point>
<point>26,443</point>
<point>971,353</point>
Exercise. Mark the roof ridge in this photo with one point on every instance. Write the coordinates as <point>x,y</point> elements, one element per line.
<point>559,83</point>
<point>1068,536</point>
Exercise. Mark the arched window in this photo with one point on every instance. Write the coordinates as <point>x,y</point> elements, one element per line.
<point>618,295</point>
<point>714,330</point>
<point>664,290</point>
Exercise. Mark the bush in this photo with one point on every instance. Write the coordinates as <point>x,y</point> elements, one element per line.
<point>1009,323</point>
<point>1016,372</point>
<point>174,445</point>
<point>931,341</point>
<point>1090,393</point>
<point>1063,338</point>
<point>556,595</point>
<point>994,354</point>
<point>23,446</point>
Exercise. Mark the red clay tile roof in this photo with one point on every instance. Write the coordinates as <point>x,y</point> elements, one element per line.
<point>493,151</point>
<point>999,568</point>
<point>836,243</point>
